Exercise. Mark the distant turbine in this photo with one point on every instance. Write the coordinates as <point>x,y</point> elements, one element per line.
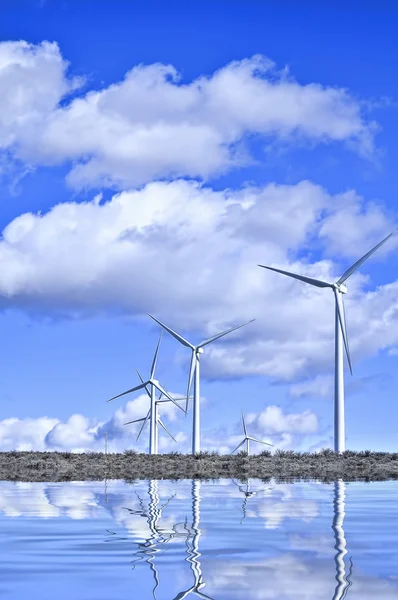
<point>158,420</point>
<point>340,336</point>
<point>247,439</point>
<point>195,371</point>
<point>154,384</point>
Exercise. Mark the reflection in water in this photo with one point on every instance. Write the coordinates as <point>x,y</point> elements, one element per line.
<point>179,536</point>
<point>149,548</point>
<point>343,582</point>
<point>193,548</point>
<point>248,493</point>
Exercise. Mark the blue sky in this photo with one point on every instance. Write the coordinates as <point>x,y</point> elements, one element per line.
<point>150,157</point>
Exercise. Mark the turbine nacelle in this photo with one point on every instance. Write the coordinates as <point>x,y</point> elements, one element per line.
<point>199,351</point>
<point>340,287</point>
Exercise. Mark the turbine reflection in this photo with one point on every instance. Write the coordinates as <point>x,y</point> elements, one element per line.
<point>343,582</point>
<point>248,493</point>
<point>193,547</point>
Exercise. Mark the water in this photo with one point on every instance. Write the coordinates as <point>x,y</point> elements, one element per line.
<point>174,540</point>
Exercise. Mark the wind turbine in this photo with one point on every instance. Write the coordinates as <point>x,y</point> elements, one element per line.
<point>195,371</point>
<point>340,336</point>
<point>154,384</point>
<point>158,420</point>
<point>247,439</point>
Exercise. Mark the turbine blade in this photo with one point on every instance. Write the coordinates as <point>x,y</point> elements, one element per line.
<point>244,425</point>
<point>343,327</point>
<point>175,401</point>
<point>310,280</point>
<point>159,387</point>
<point>134,389</point>
<point>215,337</point>
<point>360,262</point>
<point>155,357</point>
<point>178,337</point>
<point>259,441</point>
<point>142,381</point>
<point>166,430</point>
<point>241,444</point>
<point>135,421</point>
<point>191,373</point>
<point>144,423</point>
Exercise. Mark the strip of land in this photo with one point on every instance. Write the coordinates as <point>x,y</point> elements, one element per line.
<point>324,466</point>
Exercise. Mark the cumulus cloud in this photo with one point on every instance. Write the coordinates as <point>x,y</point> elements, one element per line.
<point>83,434</point>
<point>151,125</point>
<point>273,420</point>
<point>191,254</point>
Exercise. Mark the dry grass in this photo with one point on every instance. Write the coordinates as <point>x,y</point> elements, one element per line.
<point>284,466</point>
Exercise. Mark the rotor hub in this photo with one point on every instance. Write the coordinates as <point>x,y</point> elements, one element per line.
<point>340,288</point>
<point>199,350</point>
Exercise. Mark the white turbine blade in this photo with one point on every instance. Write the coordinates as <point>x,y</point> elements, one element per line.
<point>191,373</point>
<point>135,421</point>
<point>155,357</point>
<point>159,387</point>
<point>143,425</point>
<point>215,337</point>
<point>178,337</point>
<point>360,262</point>
<point>311,280</point>
<point>244,425</point>
<point>343,327</point>
<point>166,430</point>
<point>175,401</point>
<point>134,389</point>
<point>259,441</point>
<point>241,444</point>
<point>142,381</point>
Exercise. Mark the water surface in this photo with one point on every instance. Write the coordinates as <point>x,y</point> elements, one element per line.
<point>223,540</point>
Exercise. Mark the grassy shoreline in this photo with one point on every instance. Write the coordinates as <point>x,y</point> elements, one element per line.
<point>283,466</point>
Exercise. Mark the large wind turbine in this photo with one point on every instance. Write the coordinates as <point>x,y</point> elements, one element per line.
<point>248,438</point>
<point>157,419</point>
<point>195,371</point>
<point>154,384</point>
<point>340,336</point>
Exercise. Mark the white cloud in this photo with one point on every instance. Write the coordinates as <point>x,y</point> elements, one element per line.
<point>151,125</point>
<point>80,433</point>
<point>273,420</point>
<point>192,254</point>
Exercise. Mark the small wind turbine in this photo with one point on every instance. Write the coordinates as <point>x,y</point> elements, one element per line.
<point>154,384</point>
<point>340,336</point>
<point>158,420</point>
<point>195,371</point>
<point>247,439</point>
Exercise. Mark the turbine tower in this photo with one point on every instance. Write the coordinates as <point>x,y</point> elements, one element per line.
<point>158,420</point>
<point>154,385</point>
<point>340,337</point>
<point>194,371</point>
<point>248,438</point>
